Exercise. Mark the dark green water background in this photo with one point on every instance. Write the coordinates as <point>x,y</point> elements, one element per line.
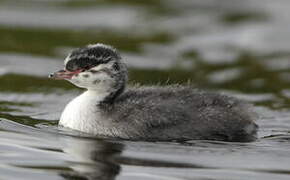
<point>239,48</point>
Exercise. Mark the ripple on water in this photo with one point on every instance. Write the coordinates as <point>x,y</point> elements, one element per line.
<point>239,48</point>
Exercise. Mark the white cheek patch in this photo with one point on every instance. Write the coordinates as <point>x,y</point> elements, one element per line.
<point>97,78</point>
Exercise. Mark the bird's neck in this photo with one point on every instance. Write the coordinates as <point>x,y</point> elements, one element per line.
<point>110,96</point>
<point>97,96</point>
<point>84,113</point>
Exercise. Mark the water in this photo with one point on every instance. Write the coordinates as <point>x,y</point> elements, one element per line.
<point>239,48</point>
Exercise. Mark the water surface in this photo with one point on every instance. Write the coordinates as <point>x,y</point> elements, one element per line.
<point>238,48</point>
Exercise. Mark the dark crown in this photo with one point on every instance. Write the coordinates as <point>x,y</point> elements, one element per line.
<point>90,56</point>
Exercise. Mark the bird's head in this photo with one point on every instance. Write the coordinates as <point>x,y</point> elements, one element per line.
<point>95,67</point>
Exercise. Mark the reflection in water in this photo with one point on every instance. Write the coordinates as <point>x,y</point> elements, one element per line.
<point>241,47</point>
<point>93,159</point>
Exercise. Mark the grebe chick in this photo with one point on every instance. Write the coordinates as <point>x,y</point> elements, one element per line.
<point>146,113</point>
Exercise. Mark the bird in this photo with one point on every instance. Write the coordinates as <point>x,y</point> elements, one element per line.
<point>110,108</point>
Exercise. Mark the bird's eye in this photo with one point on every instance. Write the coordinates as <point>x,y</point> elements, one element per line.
<point>81,64</point>
<point>87,68</point>
<point>71,66</point>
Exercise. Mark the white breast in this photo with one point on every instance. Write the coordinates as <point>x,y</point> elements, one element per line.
<point>82,114</point>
